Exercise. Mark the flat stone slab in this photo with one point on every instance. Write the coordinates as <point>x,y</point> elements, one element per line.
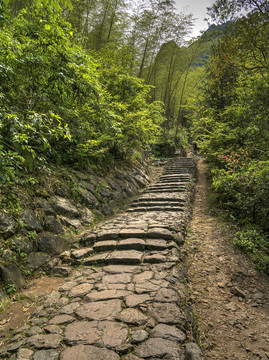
<point>156,244</point>
<point>160,233</point>
<point>134,300</point>
<point>88,352</point>
<point>78,254</point>
<point>166,295</point>
<point>117,279</point>
<point>132,316</point>
<point>106,295</point>
<point>125,257</point>
<point>168,332</point>
<point>132,233</point>
<point>107,235</point>
<point>81,290</point>
<point>167,313</point>
<point>61,319</point>
<point>107,245</point>
<point>101,310</point>
<point>131,244</point>
<point>96,259</point>
<point>122,269</point>
<point>155,258</point>
<point>50,341</point>
<point>99,333</point>
<point>159,348</point>
<point>44,355</point>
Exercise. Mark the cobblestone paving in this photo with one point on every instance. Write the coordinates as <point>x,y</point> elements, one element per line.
<point>128,298</point>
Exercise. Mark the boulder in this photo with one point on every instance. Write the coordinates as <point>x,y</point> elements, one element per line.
<point>7,227</point>
<point>11,275</point>
<point>64,207</point>
<point>50,243</point>
<point>31,222</point>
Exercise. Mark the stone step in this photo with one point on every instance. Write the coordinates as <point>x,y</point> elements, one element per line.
<point>155,208</point>
<point>165,190</point>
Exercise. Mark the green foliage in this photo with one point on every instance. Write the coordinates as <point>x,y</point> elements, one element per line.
<point>10,289</point>
<point>256,244</point>
<point>58,104</point>
<point>167,143</point>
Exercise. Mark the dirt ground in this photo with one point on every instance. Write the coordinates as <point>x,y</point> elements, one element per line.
<point>230,298</point>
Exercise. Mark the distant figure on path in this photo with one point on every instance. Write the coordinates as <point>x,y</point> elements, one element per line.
<point>195,147</point>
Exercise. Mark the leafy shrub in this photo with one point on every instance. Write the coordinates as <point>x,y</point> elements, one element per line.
<point>256,244</point>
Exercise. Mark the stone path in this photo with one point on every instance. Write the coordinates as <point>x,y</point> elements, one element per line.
<point>127,299</point>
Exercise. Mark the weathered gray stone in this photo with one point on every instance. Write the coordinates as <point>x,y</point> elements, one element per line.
<point>83,332</point>
<point>75,223</point>
<point>131,357</point>
<point>159,348</point>
<point>52,225</point>
<point>46,355</point>
<point>105,245</point>
<point>155,258</point>
<point>145,275</point>
<point>131,244</point>
<point>50,243</point>
<point>160,233</point>
<point>22,244</point>
<point>107,235</point>
<point>101,310</point>
<point>53,329</point>
<point>125,257</point>
<point>68,286</point>
<point>88,352</point>
<point>52,298</point>
<point>139,336</point>
<point>69,309</point>
<point>96,259</point>
<point>34,330</point>
<point>113,334</point>
<point>50,341</point>
<point>134,300</point>
<point>64,207</point>
<point>168,332</point>
<point>167,313</point>
<point>45,206</point>
<point>7,226</point>
<point>24,354</point>
<point>166,295</point>
<point>146,286</point>
<point>119,269</point>
<point>132,233</point>
<point>117,279</point>
<point>30,221</point>
<point>11,274</point>
<point>81,290</point>
<point>106,295</point>
<point>87,217</point>
<point>132,316</point>
<point>78,254</point>
<point>61,319</point>
<point>63,271</point>
<point>193,352</point>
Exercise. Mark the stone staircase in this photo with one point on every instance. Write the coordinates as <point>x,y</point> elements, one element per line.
<point>127,298</point>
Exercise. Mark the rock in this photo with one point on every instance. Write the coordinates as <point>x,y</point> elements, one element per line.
<point>81,290</point>
<point>11,275</point>
<point>24,354</point>
<point>36,260</point>
<point>7,226</point>
<point>231,306</point>
<point>134,299</point>
<point>34,330</point>
<point>237,292</point>
<point>166,295</point>
<point>101,310</point>
<point>83,332</point>
<point>50,341</point>
<point>62,271</point>
<point>160,233</point>
<point>167,313</point>
<point>132,316</point>
<point>22,244</point>
<point>193,352</point>
<point>69,309</point>
<point>87,217</point>
<point>75,223</point>
<point>53,329</point>
<point>113,333</point>
<point>52,225</point>
<point>50,243</point>
<point>61,320</point>
<point>88,352</point>
<point>106,295</point>
<point>30,221</point>
<point>45,206</point>
<point>131,357</point>
<point>159,348</point>
<point>168,332</point>
<point>139,336</point>
<point>125,257</point>
<point>63,207</point>
<point>46,355</point>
